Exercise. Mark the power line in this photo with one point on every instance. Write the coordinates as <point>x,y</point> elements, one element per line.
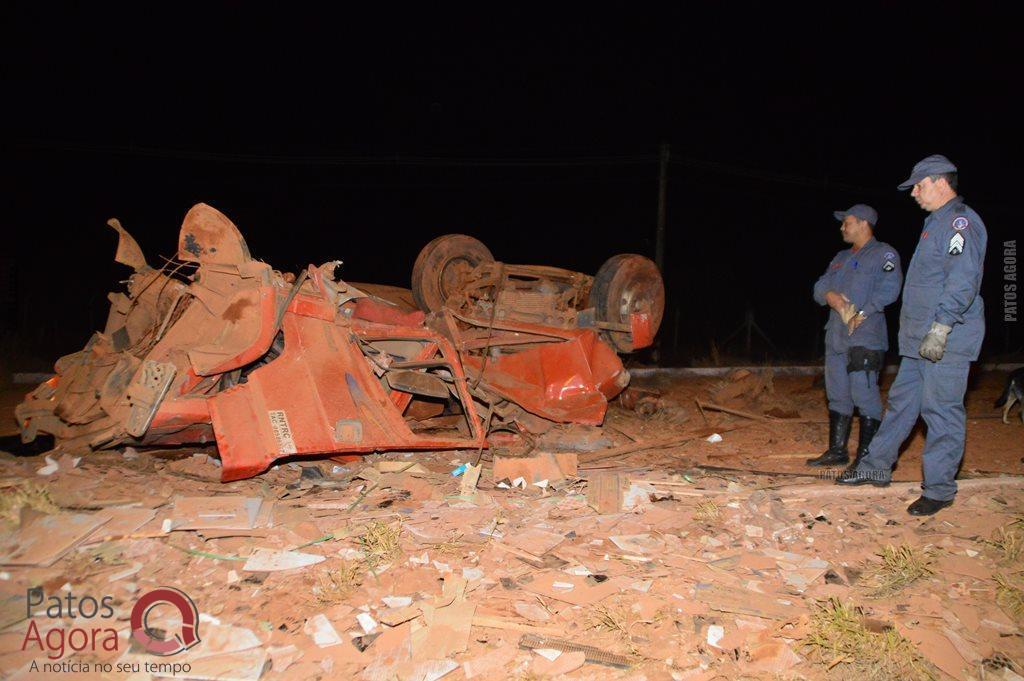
<point>355,161</point>
<point>413,160</point>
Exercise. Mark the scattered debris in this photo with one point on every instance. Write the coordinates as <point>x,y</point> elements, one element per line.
<point>643,401</point>
<point>677,561</point>
<point>591,654</point>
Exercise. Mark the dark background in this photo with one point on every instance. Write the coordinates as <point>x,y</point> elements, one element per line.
<point>362,137</point>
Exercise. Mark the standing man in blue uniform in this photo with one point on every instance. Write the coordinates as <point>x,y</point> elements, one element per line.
<point>942,324</point>
<point>857,285</point>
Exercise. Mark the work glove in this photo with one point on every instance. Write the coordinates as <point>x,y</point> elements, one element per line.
<point>933,345</point>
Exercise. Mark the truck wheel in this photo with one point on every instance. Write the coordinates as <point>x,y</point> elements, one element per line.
<point>442,267</point>
<point>625,284</point>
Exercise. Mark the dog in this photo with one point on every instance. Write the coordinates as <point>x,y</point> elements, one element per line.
<point>1014,393</point>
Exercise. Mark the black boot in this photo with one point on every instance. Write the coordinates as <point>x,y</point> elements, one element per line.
<point>838,436</point>
<point>851,476</point>
<point>868,428</point>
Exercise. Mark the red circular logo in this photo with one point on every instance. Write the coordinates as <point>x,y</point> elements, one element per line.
<point>182,640</point>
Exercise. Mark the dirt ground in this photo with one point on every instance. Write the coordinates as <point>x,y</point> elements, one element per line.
<point>784,444</point>
<point>724,560</point>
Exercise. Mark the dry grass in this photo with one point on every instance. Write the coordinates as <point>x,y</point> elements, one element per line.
<point>621,622</point>
<point>530,676</point>
<point>85,563</point>
<point>607,618</point>
<point>707,511</point>
<point>108,554</point>
<point>1009,541</point>
<point>451,547</point>
<point>1010,597</point>
<point>334,586</point>
<point>901,566</point>
<point>839,640</point>
<point>380,543</point>
<point>618,621</point>
<point>13,498</point>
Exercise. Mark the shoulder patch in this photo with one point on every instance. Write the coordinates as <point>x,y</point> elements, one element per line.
<point>889,266</point>
<point>956,244</point>
<point>961,223</point>
<point>889,255</point>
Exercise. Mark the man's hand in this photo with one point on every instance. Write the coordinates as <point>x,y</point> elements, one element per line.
<point>836,300</point>
<point>856,321</point>
<point>842,305</point>
<point>933,345</point>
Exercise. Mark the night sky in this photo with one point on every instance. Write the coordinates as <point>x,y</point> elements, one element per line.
<point>360,138</point>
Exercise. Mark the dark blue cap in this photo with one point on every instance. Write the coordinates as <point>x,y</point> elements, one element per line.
<point>936,164</point>
<point>861,211</point>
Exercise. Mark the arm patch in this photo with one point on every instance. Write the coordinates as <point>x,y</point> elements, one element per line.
<point>956,244</point>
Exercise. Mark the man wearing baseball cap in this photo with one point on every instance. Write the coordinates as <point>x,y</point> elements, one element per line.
<point>942,325</point>
<point>858,284</point>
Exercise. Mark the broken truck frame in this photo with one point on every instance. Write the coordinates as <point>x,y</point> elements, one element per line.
<point>217,346</point>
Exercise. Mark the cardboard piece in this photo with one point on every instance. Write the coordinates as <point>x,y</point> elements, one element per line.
<point>937,649</point>
<point>282,657</point>
<point>490,664</point>
<point>400,467</point>
<point>121,522</point>
<point>962,565</point>
<point>449,621</point>
<point>534,540</point>
<point>320,629</point>
<point>247,665</point>
<point>467,487</point>
<point>268,560</point>
<point>723,599</point>
<point>565,663</point>
<point>47,537</point>
<point>536,467</point>
<point>395,616</point>
<point>638,543</point>
<point>579,591</point>
<point>604,493</point>
<point>218,513</point>
<point>531,611</point>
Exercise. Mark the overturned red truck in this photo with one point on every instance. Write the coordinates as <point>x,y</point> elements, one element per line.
<point>215,346</point>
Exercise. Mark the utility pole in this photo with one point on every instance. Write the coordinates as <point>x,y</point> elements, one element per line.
<point>659,241</point>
